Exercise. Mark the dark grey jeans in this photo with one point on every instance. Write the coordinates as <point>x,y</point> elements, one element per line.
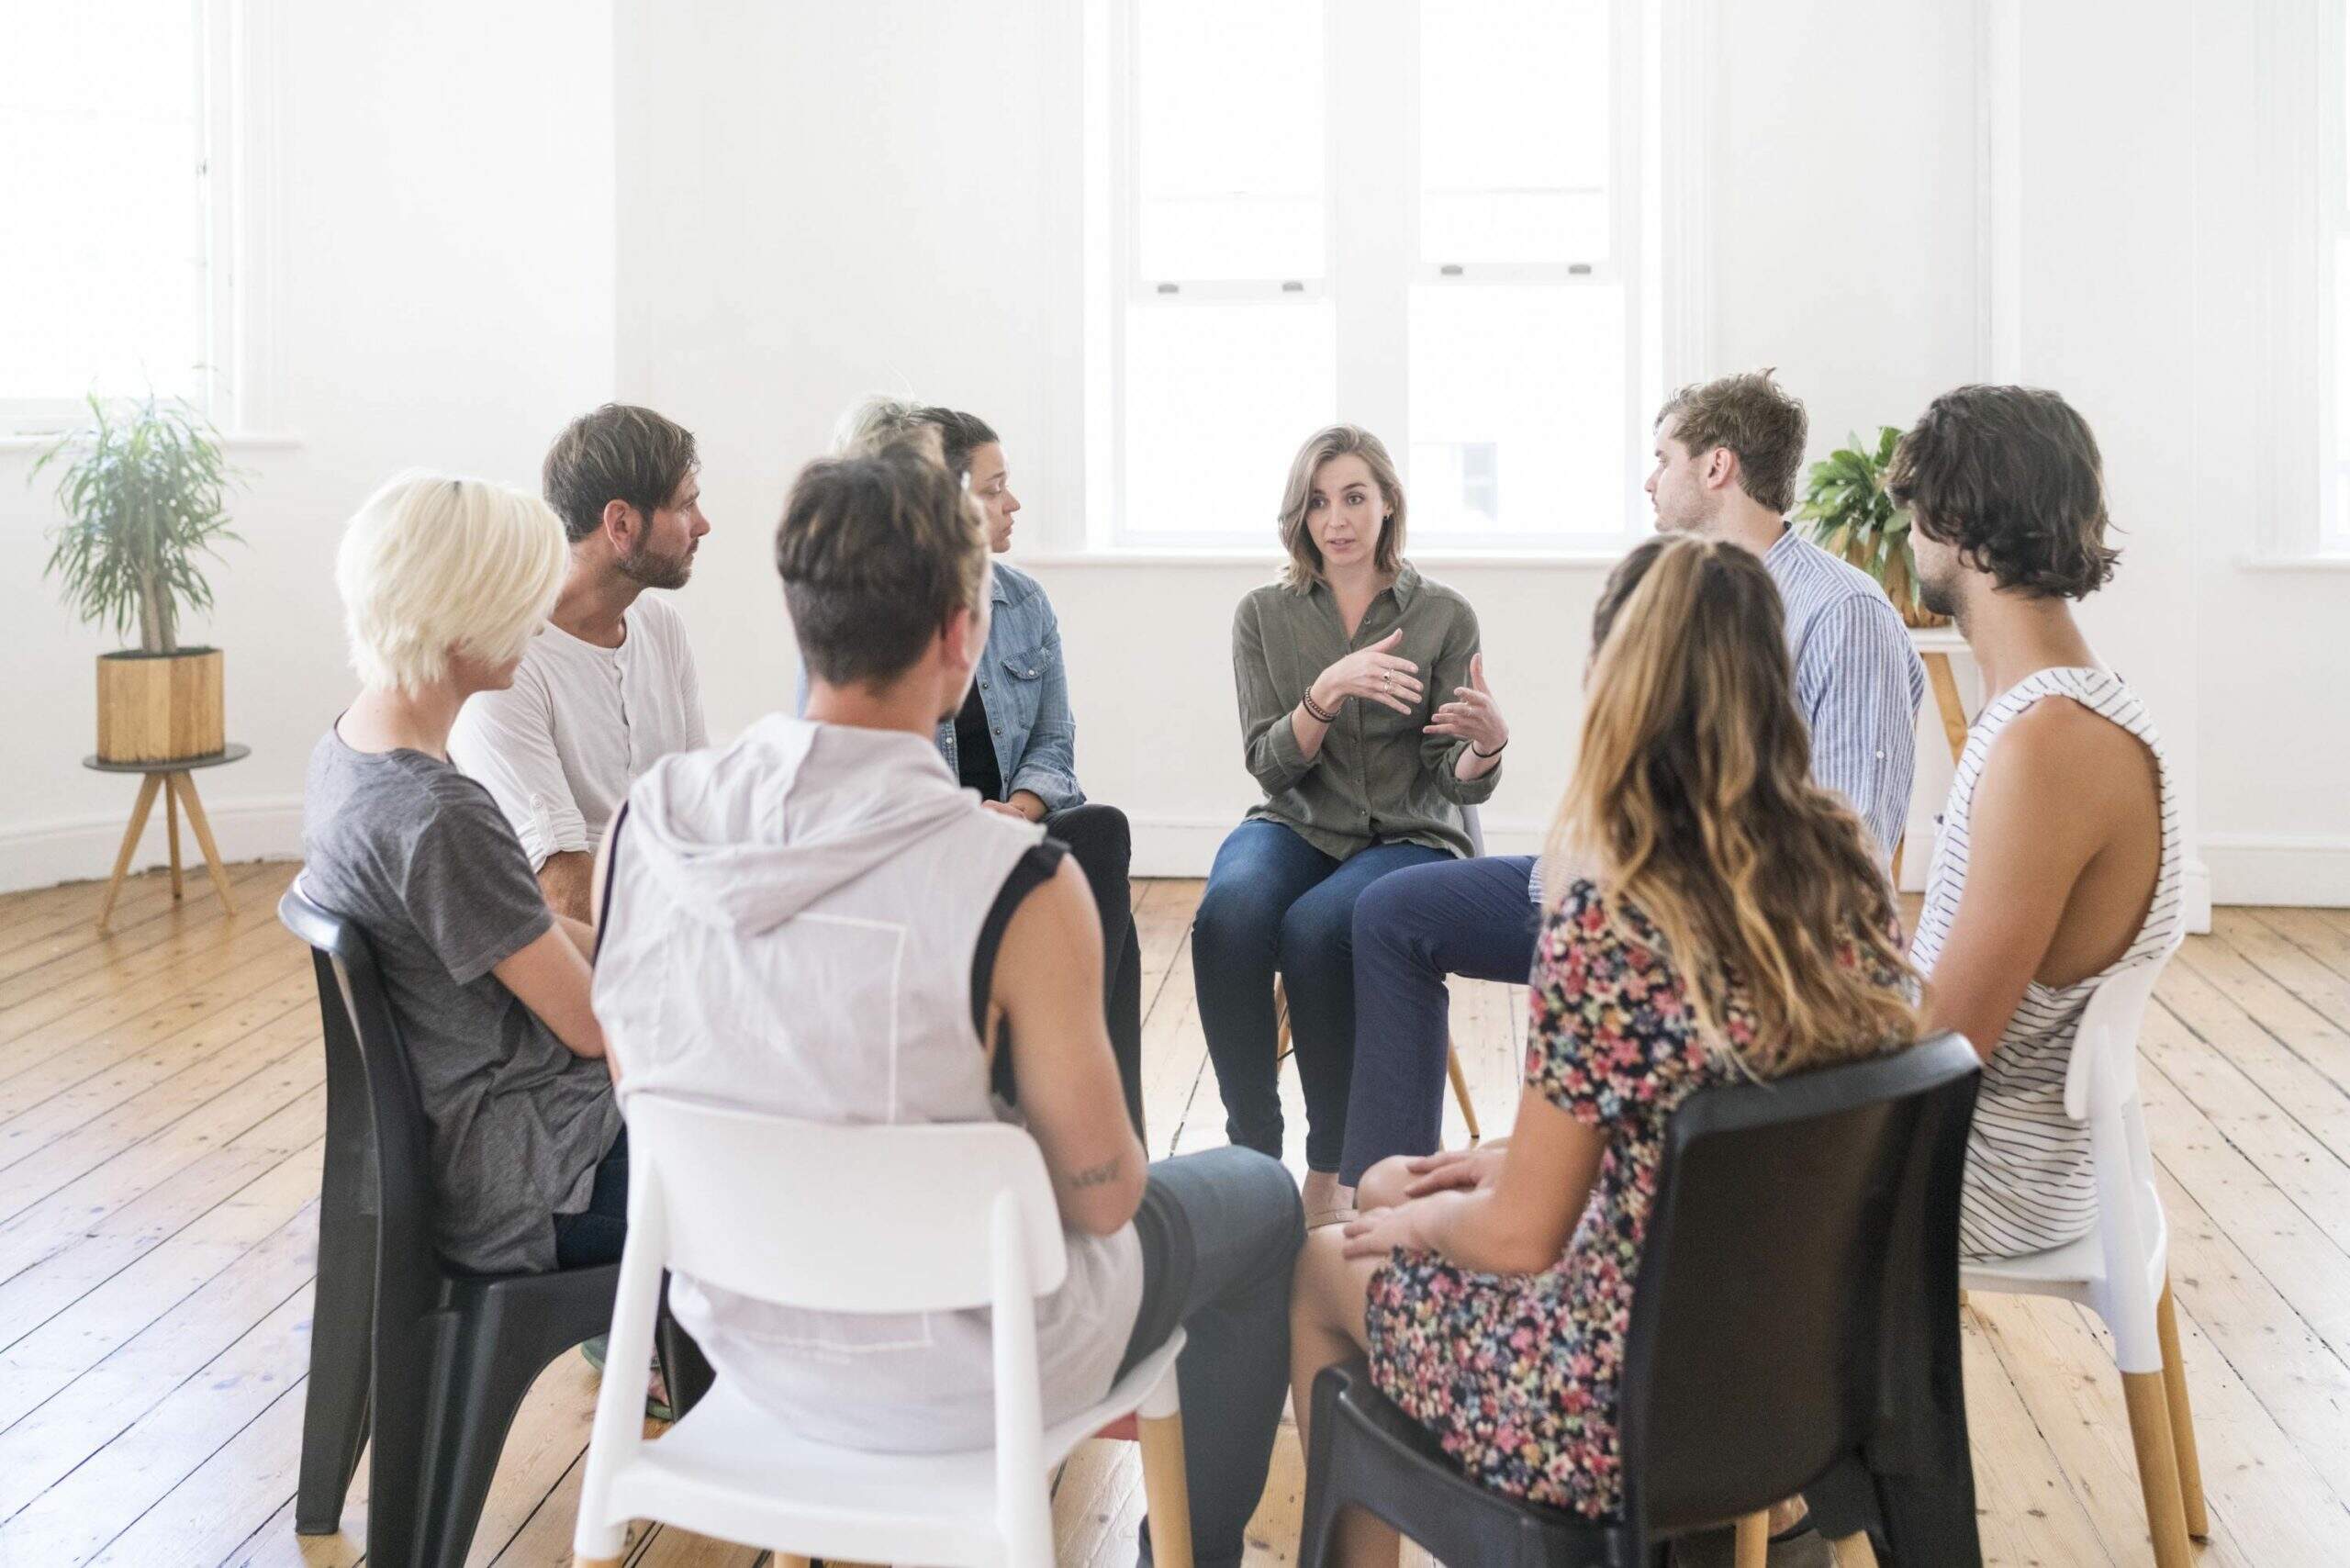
<point>1220,1231</point>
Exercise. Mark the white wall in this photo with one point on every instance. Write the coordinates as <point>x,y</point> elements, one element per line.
<point>443,288</point>
<point>784,206</point>
<point>909,234</point>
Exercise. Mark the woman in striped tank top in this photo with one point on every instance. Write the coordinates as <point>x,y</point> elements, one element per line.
<point>2058,865</point>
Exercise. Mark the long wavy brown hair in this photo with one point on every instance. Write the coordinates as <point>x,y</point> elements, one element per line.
<point>1693,804</point>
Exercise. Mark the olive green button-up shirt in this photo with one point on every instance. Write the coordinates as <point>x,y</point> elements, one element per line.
<point>1377,776</point>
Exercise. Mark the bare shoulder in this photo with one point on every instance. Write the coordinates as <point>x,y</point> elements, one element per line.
<point>2058,739</point>
<point>1055,921</point>
<point>2060,773</point>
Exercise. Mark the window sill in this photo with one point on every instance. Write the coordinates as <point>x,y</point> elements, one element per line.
<point>1582,560</point>
<point>2311,561</point>
<point>240,440</point>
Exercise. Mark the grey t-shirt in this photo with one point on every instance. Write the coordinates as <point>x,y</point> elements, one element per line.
<point>421,857</point>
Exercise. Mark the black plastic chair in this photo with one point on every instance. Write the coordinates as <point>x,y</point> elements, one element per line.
<point>1795,1323</point>
<point>429,1363</point>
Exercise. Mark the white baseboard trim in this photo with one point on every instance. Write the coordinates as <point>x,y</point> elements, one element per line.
<point>76,849</point>
<point>2279,869</point>
<point>2195,894</point>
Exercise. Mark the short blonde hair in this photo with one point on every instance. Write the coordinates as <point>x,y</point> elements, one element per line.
<point>1305,567</point>
<point>431,564</point>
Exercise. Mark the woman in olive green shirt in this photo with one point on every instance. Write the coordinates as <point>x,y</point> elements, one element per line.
<point>1365,718</point>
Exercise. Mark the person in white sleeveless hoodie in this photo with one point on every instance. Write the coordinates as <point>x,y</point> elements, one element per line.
<point>819,921</point>
<point>2058,863</point>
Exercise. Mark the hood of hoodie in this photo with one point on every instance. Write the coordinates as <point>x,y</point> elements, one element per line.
<point>748,836</point>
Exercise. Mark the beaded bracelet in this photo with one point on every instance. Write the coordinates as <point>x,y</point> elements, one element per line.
<point>1313,709</point>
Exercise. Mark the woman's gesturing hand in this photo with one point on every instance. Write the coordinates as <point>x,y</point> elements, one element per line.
<point>1472,715</point>
<point>1374,672</point>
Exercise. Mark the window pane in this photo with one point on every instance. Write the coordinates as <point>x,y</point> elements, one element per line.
<point>1228,120</point>
<point>2339,521</point>
<point>1518,411</point>
<point>102,180</point>
<point>1515,144</point>
<point>1219,398</point>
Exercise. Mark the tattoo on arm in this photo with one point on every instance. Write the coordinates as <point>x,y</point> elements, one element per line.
<point>1097,1175</point>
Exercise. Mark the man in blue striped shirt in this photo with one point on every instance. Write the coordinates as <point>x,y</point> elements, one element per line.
<point>1727,455</point>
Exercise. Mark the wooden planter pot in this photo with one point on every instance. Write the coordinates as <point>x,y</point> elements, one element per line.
<point>159,707</point>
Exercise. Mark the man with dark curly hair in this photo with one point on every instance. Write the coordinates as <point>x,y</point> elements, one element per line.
<point>2058,865</point>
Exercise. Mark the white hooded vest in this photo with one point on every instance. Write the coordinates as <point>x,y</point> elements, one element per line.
<point>791,928</point>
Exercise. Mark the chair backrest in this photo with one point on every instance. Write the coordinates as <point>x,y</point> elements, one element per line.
<point>843,1218</point>
<point>371,1098</point>
<point>2104,1065</point>
<point>1801,1230</point>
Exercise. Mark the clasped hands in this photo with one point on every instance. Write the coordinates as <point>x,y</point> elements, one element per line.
<point>1380,1231</point>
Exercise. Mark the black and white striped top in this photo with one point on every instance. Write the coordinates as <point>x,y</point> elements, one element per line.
<point>2029,1184</point>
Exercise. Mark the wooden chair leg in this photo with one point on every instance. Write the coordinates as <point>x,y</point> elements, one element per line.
<point>1281,1020</point>
<point>1752,1542</point>
<point>1460,1091</point>
<point>615,1561</point>
<point>2149,1406</point>
<point>171,835</point>
<point>186,786</point>
<point>1166,1489</point>
<point>785,1560</point>
<point>1854,1551</point>
<point>147,788</point>
<point>2182,1420</point>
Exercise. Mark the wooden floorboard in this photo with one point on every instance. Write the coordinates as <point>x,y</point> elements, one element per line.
<point>161,1107</point>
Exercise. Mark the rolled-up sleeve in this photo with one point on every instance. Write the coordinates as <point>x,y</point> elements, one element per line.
<point>1439,753</point>
<point>1859,683</point>
<point>506,741</point>
<point>1048,765</point>
<point>1267,725</point>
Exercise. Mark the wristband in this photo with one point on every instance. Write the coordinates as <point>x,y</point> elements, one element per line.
<point>1314,709</point>
<point>1488,756</point>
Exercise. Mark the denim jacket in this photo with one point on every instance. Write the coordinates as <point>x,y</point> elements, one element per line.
<point>1024,685</point>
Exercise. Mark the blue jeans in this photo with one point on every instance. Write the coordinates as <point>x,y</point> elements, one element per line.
<point>597,1233</point>
<point>1464,917</point>
<point>1220,1232</point>
<point>1274,900</point>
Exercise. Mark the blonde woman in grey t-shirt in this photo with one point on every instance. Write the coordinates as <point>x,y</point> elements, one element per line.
<point>443,581</point>
<point>1365,720</point>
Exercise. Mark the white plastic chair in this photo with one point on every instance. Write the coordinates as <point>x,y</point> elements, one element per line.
<point>946,1218</point>
<point>2121,1271</point>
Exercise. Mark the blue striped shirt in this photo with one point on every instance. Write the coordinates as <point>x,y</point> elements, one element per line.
<point>1858,682</point>
<point>1858,685</point>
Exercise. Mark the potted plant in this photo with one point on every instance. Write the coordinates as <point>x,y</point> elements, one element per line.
<point>141,490</point>
<point>1850,515</point>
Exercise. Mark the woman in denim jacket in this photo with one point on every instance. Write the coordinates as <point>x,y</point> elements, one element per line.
<point>1016,742</point>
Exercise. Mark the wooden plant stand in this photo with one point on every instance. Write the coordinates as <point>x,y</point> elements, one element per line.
<point>1934,647</point>
<point>170,779</point>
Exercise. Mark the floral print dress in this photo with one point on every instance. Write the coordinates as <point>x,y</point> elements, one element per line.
<point>1517,1375</point>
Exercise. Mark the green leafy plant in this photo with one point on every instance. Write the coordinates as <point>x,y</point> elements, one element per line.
<point>1850,514</point>
<point>142,491</point>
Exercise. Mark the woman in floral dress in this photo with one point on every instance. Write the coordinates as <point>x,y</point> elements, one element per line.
<point>1494,1296</point>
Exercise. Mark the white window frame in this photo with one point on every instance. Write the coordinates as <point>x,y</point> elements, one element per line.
<point>1370,269</point>
<point>2332,533</point>
<point>2304,218</point>
<point>235,64</point>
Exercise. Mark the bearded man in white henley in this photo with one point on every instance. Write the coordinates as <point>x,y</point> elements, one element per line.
<point>608,687</point>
